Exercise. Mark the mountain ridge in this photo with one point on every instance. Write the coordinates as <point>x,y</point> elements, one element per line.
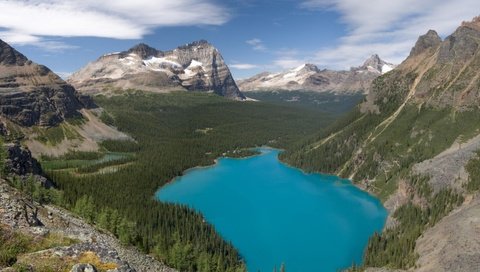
<point>310,77</point>
<point>31,94</point>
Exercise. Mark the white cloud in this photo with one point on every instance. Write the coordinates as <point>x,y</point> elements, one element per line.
<point>53,46</point>
<point>18,38</point>
<point>257,44</point>
<point>30,21</point>
<point>243,66</point>
<point>389,28</point>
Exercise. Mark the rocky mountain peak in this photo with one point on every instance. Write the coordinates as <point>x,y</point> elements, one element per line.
<point>460,47</point>
<point>375,64</point>
<point>308,67</point>
<point>10,56</point>
<point>474,23</point>
<point>143,50</point>
<point>197,66</point>
<point>431,55</point>
<point>195,43</point>
<point>373,61</point>
<point>430,40</point>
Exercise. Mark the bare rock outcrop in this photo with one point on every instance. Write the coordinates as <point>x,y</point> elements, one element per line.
<point>20,161</point>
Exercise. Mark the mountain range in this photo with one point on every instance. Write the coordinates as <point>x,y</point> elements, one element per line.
<point>197,66</point>
<point>310,77</point>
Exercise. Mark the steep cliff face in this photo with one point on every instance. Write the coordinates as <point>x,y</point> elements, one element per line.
<point>31,94</point>
<point>197,66</point>
<point>309,77</point>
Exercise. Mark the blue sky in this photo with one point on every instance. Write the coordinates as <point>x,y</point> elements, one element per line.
<point>252,35</point>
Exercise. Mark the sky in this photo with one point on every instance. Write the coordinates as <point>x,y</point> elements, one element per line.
<point>252,35</point>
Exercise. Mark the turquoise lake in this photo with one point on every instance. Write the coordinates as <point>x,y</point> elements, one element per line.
<point>274,214</point>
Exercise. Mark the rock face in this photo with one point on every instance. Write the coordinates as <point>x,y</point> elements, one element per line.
<point>31,94</point>
<point>20,161</point>
<point>197,66</point>
<point>309,77</point>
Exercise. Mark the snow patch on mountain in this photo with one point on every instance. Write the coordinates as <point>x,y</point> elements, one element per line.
<point>387,68</point>
<point>195,63</point>
<point>155,63</point>
<point>299,68</point>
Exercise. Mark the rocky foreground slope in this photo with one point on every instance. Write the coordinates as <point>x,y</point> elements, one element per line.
<point>414,143</point>
<point>310,77</point>
<point>64,241</point>
<point>197,66</point>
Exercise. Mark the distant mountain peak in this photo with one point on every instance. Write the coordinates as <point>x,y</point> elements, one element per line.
<point>10,56</point>
<point>143,50</point>
<point>200,42</point>
<point>375,64</point>
<point>429,40</point>
<point>373,60</point>
<point>307,67</point>
<point>196,44</point>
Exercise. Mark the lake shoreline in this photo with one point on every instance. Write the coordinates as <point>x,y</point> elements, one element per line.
<point>215,162</point>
